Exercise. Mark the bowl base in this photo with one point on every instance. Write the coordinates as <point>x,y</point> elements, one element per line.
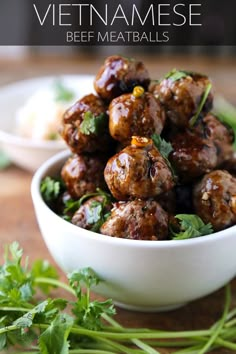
<point>149,309</point>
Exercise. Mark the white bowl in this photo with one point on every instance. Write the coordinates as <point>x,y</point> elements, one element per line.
<point>29,153</point>
<point>139,275</point>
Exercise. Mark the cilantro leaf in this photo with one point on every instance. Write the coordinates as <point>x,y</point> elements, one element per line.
<point>176,75</point>
<point>165,149</point>
<point>163,146</point>
<point>62,93</point>
<point>50,189</point>
<point>93,124</point>
<point>26,320</point>
<point>54,339</point>
<point>191,226</point>
<point>42,268</point>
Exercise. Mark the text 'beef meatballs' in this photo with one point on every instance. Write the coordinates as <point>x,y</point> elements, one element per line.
<point>214,199</point>
<point>120,75</point>
<point>137,220</point>
<point>85,126</point>
<point>181,93</point>
<point>137,113</point>
<point>83,174</point>
<point>138,171</point>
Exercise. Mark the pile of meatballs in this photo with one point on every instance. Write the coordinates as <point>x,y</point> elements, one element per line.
<point>110,135</point>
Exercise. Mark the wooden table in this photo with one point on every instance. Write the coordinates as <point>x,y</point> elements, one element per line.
<point>17,219</point>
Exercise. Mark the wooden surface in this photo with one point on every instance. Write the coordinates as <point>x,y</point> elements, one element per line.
<point>17,219</point>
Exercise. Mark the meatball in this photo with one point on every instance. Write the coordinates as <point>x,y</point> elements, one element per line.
<point>132,114</point>
<point>92,213</point>
<point>119,75</point>
<point>214,199</point>
<point>85,126</point>
<point>192,156</point>
<point>210,127</point>
<point>167,201</point>
<point>137,220</point>
<point>83,174</point>
<point>138,171</point>
<point>181,97</point>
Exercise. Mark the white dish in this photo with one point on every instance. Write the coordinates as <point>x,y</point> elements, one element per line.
<point>24,152</point>
<point>139,275</point>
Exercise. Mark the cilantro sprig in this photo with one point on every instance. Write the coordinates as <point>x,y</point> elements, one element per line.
<point>83,325</point>
<point>165,148</point>
<point>93,124</point>
<point>206,93</point>
<point>190,226</point>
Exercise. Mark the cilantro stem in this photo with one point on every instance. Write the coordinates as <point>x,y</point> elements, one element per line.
<point>137,342</point>
<point>200,107</point>
<point>221,323</point>
<point>54,282</point>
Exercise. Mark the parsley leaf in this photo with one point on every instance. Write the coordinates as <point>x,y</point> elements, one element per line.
<point>93,124</point>
<point>191,226</point>
<point>62,93</point>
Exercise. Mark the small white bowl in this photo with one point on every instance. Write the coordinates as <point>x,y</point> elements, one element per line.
<point>29,153</point>
<point>138,275</point>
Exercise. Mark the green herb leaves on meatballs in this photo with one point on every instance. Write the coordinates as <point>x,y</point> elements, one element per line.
<point>191,226</point>
<point>93,124</point>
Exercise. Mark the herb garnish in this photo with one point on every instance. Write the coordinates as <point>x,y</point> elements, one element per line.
<point>201,105</point>
<point>176,75</point>
<point>59,326</point>
<point>97,213</point>
<point>62,93</point>
<point>191,226</point>
<point>51,188</point>
<point>165,148</point>
<point>93,124</point>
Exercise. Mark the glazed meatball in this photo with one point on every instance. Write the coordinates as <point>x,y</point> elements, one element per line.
<point>133,114</point>
<point>85,126</point>
<point>120,75</point>
<point>181,98</point>
<point>192,156</point>
<point>92,213</point>
<point>138,171</point>
<point>83,174</point>
<point>167,201</point>
<point>215,199</point>
<point>137,220</point>
<point>210,127</point>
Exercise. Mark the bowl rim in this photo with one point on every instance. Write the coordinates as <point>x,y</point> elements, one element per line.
<point>37,199</point>
<point>15,139</point>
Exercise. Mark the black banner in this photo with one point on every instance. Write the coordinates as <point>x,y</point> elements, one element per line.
<point>117,22</point>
